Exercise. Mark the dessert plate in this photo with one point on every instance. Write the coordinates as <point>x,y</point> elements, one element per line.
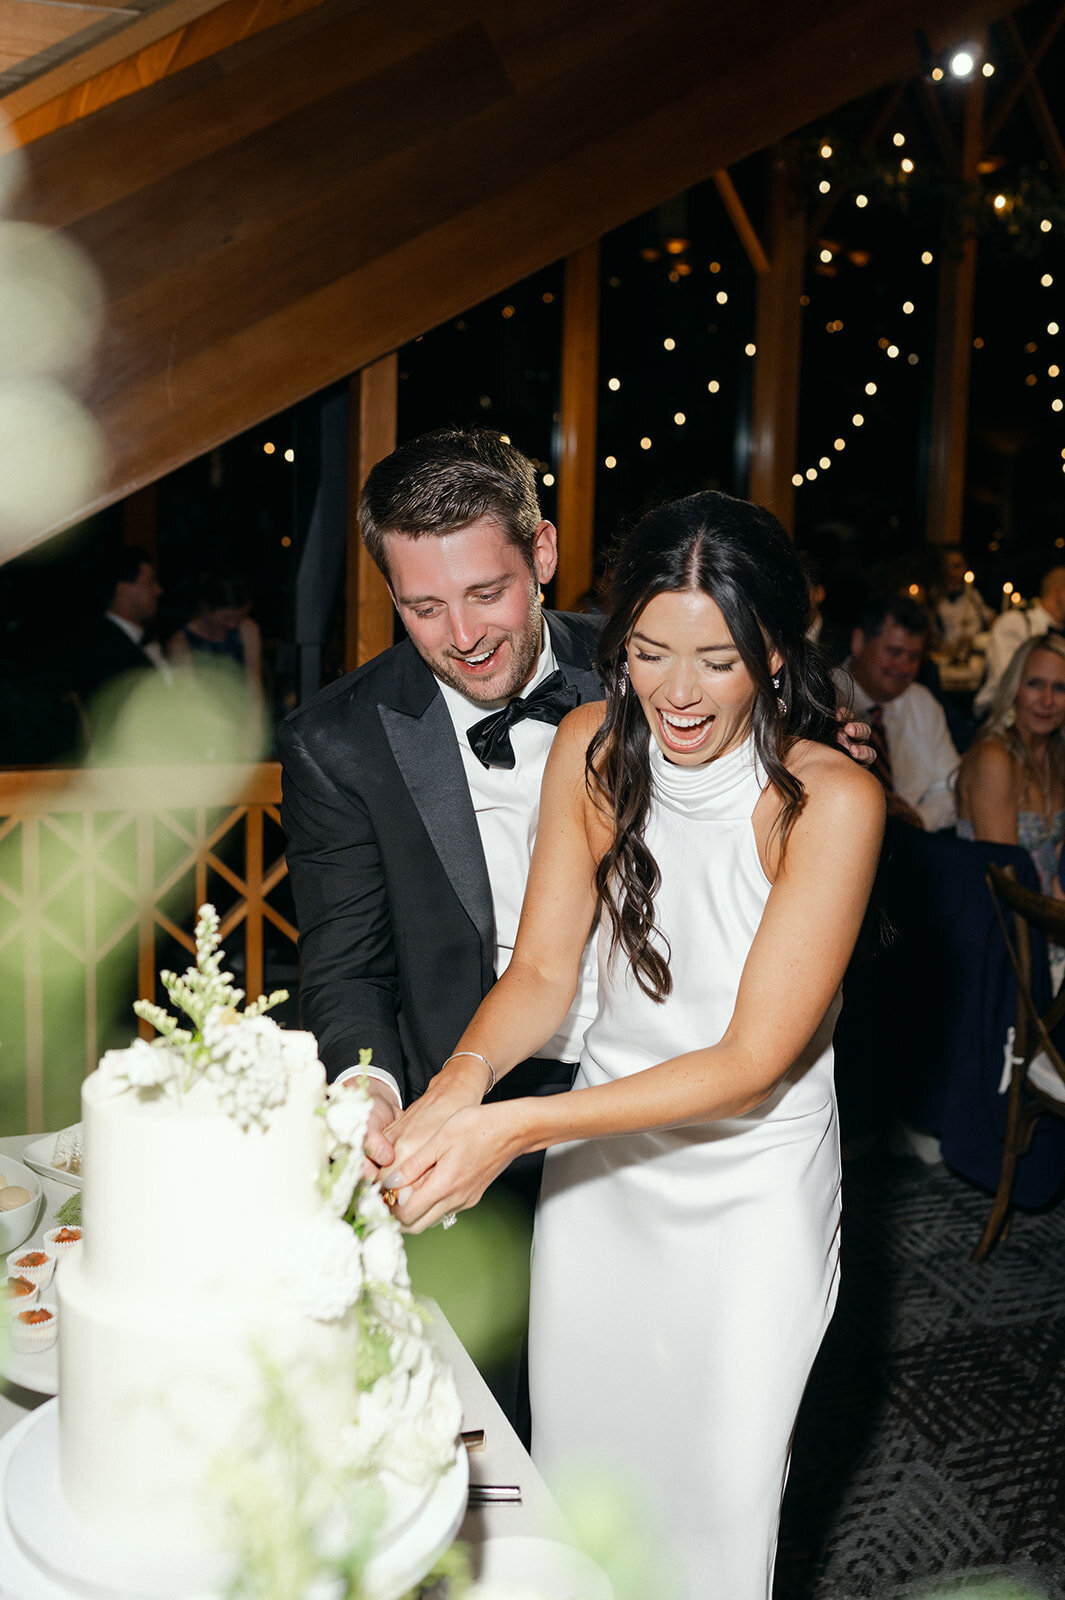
<point>38,1155</point>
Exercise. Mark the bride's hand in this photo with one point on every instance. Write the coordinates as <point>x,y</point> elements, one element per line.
<point>453,1168</point>
<point>462,1084</point>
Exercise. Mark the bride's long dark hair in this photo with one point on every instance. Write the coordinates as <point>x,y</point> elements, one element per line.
<point>740,556</point>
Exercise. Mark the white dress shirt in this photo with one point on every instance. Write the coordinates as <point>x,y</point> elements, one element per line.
<point>507,806</point>
<point>924,762</point>
<point>152,651</point>
<point>1008,632</point>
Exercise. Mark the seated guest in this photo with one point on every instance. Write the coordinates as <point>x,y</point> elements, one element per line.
<point>1013,627</point>
<point>961,611</point>
<point>1011,784</point>
<point>223,628</point>
<point>916,759</point>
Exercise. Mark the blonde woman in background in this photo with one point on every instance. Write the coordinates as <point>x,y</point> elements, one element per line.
<point>1011,782</point>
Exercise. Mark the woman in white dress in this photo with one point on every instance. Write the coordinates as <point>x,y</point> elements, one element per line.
<point>686,1249</point>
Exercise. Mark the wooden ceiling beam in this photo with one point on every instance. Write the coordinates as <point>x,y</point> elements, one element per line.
<point>280,214</point>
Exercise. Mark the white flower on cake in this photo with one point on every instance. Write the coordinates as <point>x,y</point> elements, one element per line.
<point>347,1116</point>
<point>407,1422</point>
<point>324,1277</point>
<point>246,1057</point>
<point>141,1066</point>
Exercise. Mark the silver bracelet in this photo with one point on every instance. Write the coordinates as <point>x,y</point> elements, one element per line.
<point>477,1057</point>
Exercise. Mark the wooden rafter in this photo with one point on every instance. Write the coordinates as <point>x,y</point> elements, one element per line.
<point>1030,65</point>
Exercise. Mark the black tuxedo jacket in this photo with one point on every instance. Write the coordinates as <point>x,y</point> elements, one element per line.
<point>393,904</point>
<point>104,651</point>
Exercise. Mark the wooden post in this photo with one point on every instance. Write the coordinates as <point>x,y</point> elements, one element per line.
<point>778,337</point>
<point>368,607</point>
<point>954,343</point>
<point>579,407</point>
<point>139,519</point>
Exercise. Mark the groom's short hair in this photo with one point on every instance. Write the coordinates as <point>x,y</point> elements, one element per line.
<point>443,481</point>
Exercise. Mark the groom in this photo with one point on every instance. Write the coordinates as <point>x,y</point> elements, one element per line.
<point>410,804</point>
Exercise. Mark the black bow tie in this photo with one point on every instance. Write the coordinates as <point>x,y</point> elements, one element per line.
<point>490,738</point>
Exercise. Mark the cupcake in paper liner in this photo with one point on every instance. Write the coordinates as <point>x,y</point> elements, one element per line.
<point>36,1265</point>
<point>33,1330</point>
<point>19,1292</point>
<point>57,1241</point>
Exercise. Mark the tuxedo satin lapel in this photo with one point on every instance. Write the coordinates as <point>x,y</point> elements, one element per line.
<point>570,657</point>
<point>427,755</point>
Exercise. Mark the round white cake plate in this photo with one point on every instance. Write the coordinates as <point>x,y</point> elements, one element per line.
<point>51,1554</point>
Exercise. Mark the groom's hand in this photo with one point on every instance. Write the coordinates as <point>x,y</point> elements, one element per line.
<point>384,1109</point>
<point>853,738</point>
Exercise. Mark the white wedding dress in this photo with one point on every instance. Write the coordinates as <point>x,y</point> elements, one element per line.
<point>682,1280</point>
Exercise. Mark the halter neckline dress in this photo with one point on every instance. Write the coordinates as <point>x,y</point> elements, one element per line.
<point>683,1279</point>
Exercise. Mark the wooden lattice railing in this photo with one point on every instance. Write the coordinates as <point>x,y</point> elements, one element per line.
<point>100,876</point>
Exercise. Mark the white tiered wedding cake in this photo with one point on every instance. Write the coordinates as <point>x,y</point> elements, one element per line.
<point>239,1313</point>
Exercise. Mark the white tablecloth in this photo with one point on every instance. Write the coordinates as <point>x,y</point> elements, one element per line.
<point>503,1460</point>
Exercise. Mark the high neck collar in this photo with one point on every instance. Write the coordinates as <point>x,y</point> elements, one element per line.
<point>710,789</point>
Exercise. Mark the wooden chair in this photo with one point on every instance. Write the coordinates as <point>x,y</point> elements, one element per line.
<point>1019,911</point>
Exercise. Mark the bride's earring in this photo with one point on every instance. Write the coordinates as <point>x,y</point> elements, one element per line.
<point>623,677</point>
<point>781,703</point>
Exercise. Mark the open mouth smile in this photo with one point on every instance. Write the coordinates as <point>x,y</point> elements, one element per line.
<point>480,662</point>
<point>684,733</point>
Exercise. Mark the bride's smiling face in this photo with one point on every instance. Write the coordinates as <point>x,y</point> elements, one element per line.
<point>695,690</point>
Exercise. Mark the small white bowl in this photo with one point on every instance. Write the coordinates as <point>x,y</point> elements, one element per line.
<point>17,1225</point>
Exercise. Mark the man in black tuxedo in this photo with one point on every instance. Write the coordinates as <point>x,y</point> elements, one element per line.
<point>408,852</point>
<point>115,642</point>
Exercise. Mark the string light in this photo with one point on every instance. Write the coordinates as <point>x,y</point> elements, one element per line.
<point>750,349</point>
<point>679,418</point>
<point>669,344</point>
<point>268,448</point>
<point>892,351</point>
<point>927,258</point>
<point>645,443</point>
<point>870,388</point>
<point>898,140</point>
<point>610,461</point>
<point>1052,328</point>
<point>1007,588</point>
<point>826,151</point>
<point>824,463</point>
<point>988,70</point>
<point>839,444</point>
<point>906,164</point>
<point>823,187</point>
<point>613,383</point>
<point>549,480</point>
<point>285,541</point>
<point>857,419</point>
<point>811,473</point>
<point>907,308</point>
<point>1045,225</point>
<point>861,201</point>
<point>1052,372</point>
<point>713,386</point>
<point>1056,405</point>
<point>937,74</point>
<point>797,478</point>
<point>1046,280</point>
<point>913,360</point>
<point>290,455</point>
<point>508,311</point>
<point>962,64</point>
<point>999,202</point>
<point>721,297</point>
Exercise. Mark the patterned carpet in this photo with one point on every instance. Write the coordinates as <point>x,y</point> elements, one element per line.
<point>930,1451</point>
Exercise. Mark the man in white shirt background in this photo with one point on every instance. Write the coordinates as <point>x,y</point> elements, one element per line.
<point>916,758</point>
<point>1015,626</point>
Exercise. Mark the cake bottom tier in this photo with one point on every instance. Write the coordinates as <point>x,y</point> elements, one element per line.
<point>159,1401</point>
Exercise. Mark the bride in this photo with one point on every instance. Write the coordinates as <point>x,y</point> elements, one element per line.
<point>685,1257</point>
